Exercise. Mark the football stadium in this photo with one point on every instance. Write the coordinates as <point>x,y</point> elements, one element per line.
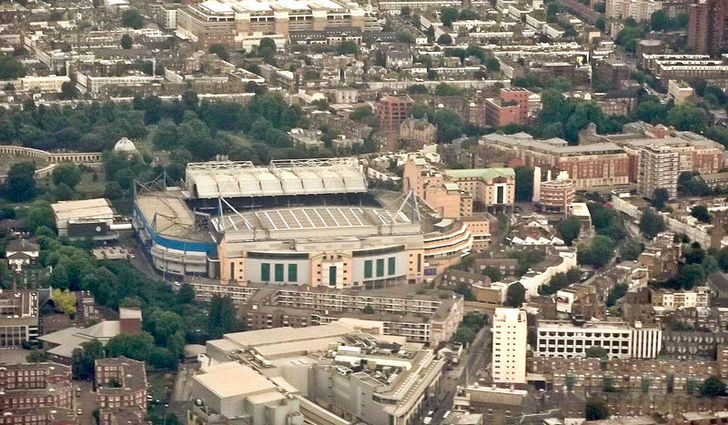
<point>307,222</point>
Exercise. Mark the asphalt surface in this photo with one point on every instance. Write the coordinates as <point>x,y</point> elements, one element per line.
<point>86,401</point>
<point>472,365</point>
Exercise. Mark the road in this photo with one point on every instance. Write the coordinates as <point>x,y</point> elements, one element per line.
<point>474,360</point>
<point>86,401</point>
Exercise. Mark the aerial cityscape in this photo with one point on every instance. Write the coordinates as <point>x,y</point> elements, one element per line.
<point>363,212</point>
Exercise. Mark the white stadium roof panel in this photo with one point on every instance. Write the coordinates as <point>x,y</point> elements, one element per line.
<point>280,178</point>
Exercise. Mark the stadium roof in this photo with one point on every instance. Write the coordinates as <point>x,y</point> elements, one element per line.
<point>308,218</point>
<point>280,178</point>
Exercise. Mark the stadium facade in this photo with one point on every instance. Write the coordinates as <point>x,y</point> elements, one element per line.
<point>292,222</point>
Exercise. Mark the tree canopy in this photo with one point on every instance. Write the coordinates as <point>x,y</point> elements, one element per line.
<point>132,18</point>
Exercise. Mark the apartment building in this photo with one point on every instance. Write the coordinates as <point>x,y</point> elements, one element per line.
<point>667,300</point>
<point>639,10</point>
<point>510,331</point>
<point>621,340</point>
<point>121,388</point>
<point>510,107</point>
<point>553,194</point>
<point>418,320</point>
<point>707,26</point>
<point>593,165</point>
<point>418,131</point>
<point>451,193</point>
<point>392,111</point>
<point>679,91</point>
<point>35,386</point>
<point>659,167</point>
<point>18,317</point>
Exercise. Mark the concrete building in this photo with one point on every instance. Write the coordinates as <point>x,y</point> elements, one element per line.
<point>84,218</point>
<point>283,376</point>
<point>639,10</point>
<point>392,111</point>
<point>245,23</point>
<point>553,195</point>
<point>18,317</point>
<point>658,169</point>
<point>510,331</point>
<point>707,26</point>
<point>451,193</point>
<point>417,319</point>
<point>621,340</point>
<point>679,90</point>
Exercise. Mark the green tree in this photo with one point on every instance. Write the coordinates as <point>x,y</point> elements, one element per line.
<point>10,68</point>
<point>701,213</point>
<point>524,184</point>
<point>515,295</point>
<point>68,90</point>
<point>65,301</point>
<point>347,48</point>
<point>631,250</point>
<point>134,346</point>
<point>126,42</point>
<point>445,39</point>
<point>691,275</point>
<point>223,317</point>
<point>651,223</point>
<point>596,409</point>
<point>20,184</point>
<point>598,254</point>
<point>448,15</point>
<point>712,387</point>
<point>83,359</point>
<point>36,356</point>
<point>132,18</point>
<point>659,21</point>
<point>569,229</point>
<point>464,335</point>
<point>660,196</point>
<point>493,273</point>
<point>267,48</point>
<point>618,291</point>
<point>418,89</point>
<point>445,89</point>
<point>66,173</point>
<point>597,352</point>
<point>220,50</point>
<point>688,117</point>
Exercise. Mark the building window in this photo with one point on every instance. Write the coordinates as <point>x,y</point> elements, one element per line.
<point>279,272</point>
<point>265,271</point>
<point>232,271</point>
<point>367,269</point>
<point>380,267</point>
<point>332,276</point>
<point>293,272</point>
<point>390,265</point>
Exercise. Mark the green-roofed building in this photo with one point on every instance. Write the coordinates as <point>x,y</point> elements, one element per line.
<point>494,188</point>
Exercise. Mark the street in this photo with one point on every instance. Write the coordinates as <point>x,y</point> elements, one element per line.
<point>86,402</point>
<point>475,359</point>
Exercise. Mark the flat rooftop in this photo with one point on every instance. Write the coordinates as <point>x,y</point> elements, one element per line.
<point>233,379</point>
<point>87,208</point>
<point>242,179</point>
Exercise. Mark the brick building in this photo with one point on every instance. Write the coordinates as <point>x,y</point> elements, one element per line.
<point>510,107</point>
<point>35,386</point>
<point>392,111</point>
<point>121,384</point>
<point>707,26</point>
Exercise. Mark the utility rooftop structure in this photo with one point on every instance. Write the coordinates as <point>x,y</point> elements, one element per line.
<point>242,179</point>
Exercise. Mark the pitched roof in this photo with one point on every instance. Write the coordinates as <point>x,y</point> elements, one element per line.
<point>21,245</point>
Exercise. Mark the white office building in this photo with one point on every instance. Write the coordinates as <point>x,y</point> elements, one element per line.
<point>621,340</point>
<point>509,346</point>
